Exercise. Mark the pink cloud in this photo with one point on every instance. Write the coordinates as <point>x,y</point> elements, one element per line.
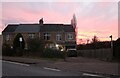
<point>27,16</point>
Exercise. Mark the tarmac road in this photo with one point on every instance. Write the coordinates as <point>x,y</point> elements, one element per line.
<point>19,69</point>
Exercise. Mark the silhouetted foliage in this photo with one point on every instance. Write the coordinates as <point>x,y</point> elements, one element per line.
<point>95,39</point>
<point>98,45</point>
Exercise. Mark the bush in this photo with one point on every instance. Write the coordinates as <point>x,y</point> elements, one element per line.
<point>35,45</point>
<point>50,53</point>
<point>72,53</point>
<point>6,50</point>
<point>18,52</point>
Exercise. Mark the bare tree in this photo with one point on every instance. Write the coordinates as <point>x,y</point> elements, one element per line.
<point>95,39</point>
<point>88,40</point>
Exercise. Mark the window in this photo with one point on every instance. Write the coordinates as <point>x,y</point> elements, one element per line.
<point>47,36</point>
<point>58,37</point>
<point>7,37</point>
<point>70,36</point>
<point>32,35</point>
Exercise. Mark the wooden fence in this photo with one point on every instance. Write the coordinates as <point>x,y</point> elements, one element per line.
<point>103,54</point>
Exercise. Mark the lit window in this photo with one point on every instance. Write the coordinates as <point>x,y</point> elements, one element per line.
<point>47,36</point>
<point>31,35</point>
<point>70,36</point>
<point>58,37</point>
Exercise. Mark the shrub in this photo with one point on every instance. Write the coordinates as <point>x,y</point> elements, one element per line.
<point>50,53</point>
<point>6,50</point>
<point>35,45</point>
<point>18,52</point>
<point>72,53</point>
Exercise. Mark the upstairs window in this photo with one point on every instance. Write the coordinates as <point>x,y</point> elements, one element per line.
<point>70,36</point>
<point>32,35</point>
<point>58,37</point>
<point>47,36</point>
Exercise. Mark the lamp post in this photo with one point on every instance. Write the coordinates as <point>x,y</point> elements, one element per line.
<point>111,41</point>
<point>111,46</point>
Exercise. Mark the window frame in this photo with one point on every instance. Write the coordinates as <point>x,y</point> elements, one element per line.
<point>47,36</point>
<point>31,35</point>
<point>59,37</point>
<point>70,36</point>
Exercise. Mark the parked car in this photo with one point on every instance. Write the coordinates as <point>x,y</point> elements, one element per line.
<point>72,53</point>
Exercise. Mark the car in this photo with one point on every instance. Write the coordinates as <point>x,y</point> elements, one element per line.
<point>72,53</point>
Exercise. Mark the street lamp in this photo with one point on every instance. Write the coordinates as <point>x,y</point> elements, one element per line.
<point>111,41</point>
<point>111,46</point>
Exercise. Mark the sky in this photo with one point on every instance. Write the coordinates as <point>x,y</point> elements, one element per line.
<point>93,18</point>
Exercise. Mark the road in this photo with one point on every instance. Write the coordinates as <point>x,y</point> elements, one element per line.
<point>19,69</point>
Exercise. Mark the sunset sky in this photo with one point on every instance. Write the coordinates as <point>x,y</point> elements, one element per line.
<point>93,18</point>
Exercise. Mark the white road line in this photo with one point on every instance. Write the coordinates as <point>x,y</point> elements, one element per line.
<point>17,63</point>
<point>51,69</point>
<point>88,74</point>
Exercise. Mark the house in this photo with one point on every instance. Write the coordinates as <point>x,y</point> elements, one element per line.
<point>55,35</point>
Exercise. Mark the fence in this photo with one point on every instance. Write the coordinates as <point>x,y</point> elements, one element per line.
<point>103,54</point>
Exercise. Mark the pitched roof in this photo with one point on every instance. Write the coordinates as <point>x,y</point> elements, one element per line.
<point>10,28</point>
<point>28,28</point>
<point>56,28</point>
<point>68,28</point>
<point>32,28</point>
<point>51,27</point>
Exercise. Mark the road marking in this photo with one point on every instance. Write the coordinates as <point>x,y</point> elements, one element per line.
<point>17,63</point>
<point>51,69</point>
<point>88,74</point>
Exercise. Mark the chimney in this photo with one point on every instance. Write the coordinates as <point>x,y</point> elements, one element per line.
<point>41,21</point>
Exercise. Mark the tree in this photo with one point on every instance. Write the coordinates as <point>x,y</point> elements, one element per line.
<point>74,21</point>
<point>95,39</point>
<point>88,40</point>
<point>95,42</point>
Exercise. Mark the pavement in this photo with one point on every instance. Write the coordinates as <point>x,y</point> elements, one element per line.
<point>77,64</point>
